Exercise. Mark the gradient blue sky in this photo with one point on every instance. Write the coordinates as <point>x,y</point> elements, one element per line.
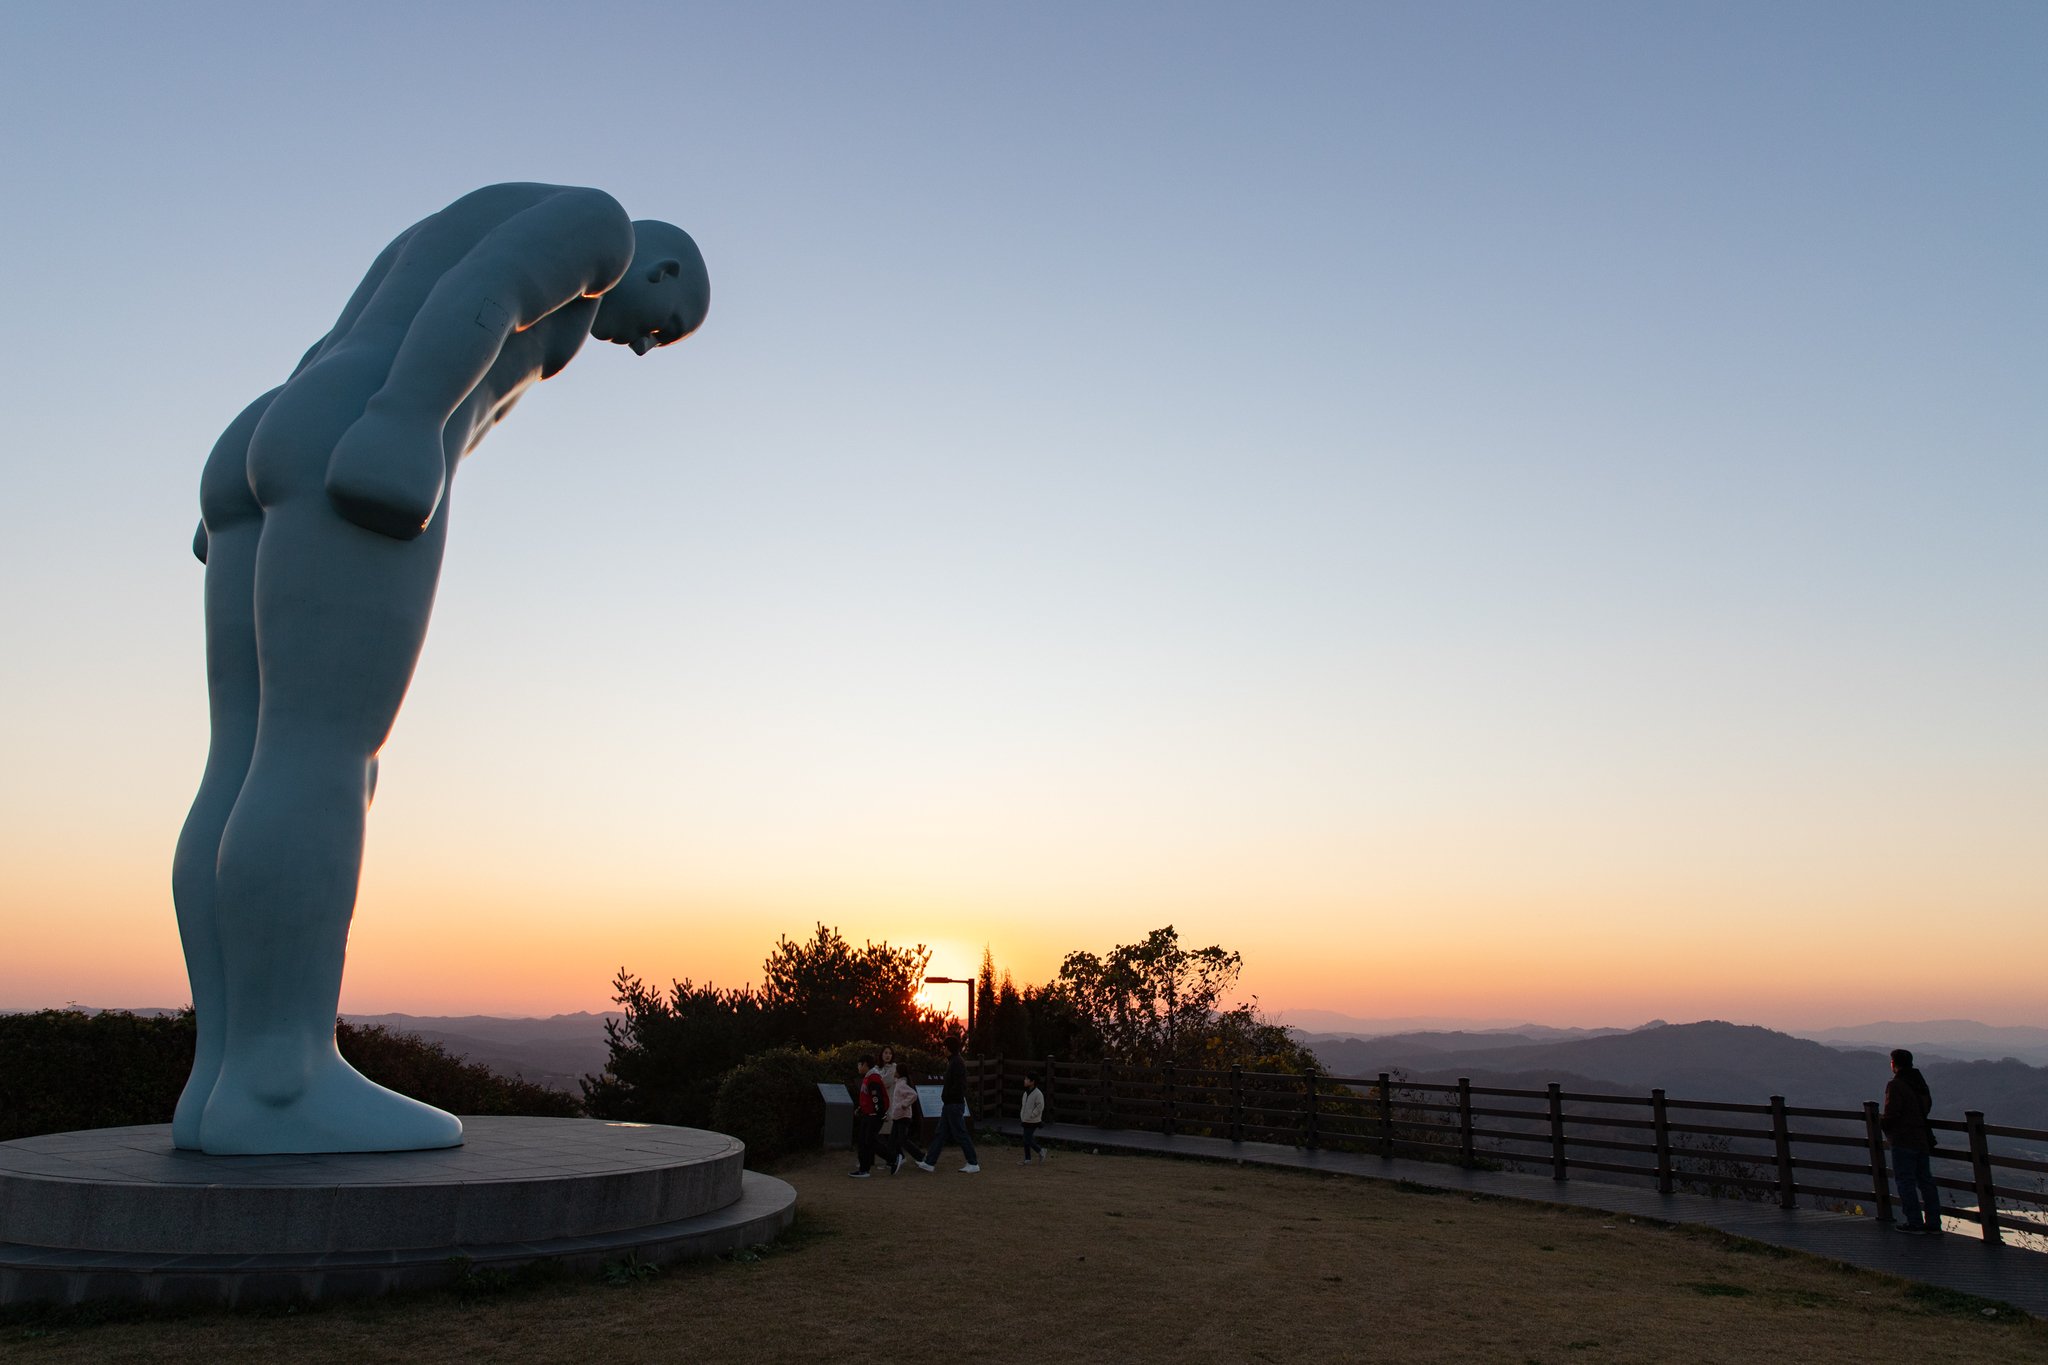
<point>1503,510</point>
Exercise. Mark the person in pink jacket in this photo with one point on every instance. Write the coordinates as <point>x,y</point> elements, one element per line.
<point>903,1119</point>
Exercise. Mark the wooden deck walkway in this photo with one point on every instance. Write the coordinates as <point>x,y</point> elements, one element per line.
<point>1958,1261</point>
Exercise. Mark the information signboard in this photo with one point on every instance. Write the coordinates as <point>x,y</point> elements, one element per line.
<point>838,1114</point>
<point>928,1099</point>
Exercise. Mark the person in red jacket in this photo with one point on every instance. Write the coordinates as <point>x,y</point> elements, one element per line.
<point>871,1101</point>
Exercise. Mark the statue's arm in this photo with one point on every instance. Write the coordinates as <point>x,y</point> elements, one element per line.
<point>388,470</point>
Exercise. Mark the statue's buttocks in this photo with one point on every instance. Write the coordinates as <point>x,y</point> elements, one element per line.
<point>289,450</point>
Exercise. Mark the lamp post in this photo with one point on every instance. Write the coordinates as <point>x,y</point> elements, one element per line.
<point>966,981</point>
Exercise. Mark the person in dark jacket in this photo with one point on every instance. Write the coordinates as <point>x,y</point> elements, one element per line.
<point>1907,1104</point>
<point>952,1111</point>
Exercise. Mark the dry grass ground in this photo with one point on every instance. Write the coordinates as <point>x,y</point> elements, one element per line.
<point>1132,1259</point>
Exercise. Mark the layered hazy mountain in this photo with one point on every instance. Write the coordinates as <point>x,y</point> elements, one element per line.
<point>1960,1040</point>
<point>1953,1040</point>
<point>557,1051</point>
<point>1710,1060</point>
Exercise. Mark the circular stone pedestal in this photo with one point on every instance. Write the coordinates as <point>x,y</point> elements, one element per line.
<point>119,1213</point>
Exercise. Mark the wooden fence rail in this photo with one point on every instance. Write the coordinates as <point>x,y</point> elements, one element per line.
<point>1776,1150</point>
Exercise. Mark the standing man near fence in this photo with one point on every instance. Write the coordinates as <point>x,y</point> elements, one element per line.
<point>1907,1104</point>
<point>952,1111</point>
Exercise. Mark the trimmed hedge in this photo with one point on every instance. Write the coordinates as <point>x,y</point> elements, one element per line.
<point>63,1070</point>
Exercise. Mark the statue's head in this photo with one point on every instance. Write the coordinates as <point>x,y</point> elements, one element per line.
<point>665,293</point>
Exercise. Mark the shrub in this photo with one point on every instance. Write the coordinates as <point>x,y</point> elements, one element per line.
<point>771,1103</point>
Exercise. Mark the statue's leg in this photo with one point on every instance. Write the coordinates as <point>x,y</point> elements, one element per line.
<point>232,693</point>
<point>341,614</point>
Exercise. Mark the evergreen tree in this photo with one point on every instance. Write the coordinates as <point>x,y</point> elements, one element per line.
<point>1058,1028</point>
<point>668,1050</point>
<point>1013,1022</point>
<point>981,1042</point>
<point>824,991</point>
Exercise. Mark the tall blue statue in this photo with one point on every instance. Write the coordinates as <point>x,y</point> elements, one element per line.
<point>324,512</point>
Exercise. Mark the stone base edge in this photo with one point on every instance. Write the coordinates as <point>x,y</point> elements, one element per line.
<point>56,1276</point>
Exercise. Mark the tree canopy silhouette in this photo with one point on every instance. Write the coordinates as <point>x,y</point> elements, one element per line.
<point>822,990</point>
<point>1152,1002</point>
<point>670,1049</point>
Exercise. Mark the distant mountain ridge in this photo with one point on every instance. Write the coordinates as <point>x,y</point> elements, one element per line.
<point>1954,1040</point>
<point>1710,1060</point>
<point>1334,1024</point>
<point>1460,1040</point>
<point>1950,1039</point>
<point>557,1051</point>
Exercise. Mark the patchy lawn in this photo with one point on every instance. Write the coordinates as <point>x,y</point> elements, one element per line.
<point>1094,1258</point>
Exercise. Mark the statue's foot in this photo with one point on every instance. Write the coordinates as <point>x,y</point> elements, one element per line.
<point>336,1109</point>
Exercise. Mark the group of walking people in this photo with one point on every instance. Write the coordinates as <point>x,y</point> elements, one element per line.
<point>885,1124</point>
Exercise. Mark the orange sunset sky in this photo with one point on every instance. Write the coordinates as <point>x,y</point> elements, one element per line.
<point>1505,513</point>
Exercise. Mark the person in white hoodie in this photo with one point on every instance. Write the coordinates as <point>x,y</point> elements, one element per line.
<point>903,1120</point>
<point>1031,1114</point>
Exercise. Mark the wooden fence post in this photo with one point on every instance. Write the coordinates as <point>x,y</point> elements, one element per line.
<point>1105,1112</point>
<point>989,1113</point>
<point>1313,1136</point>
<point>1172,1105</point>
<point>1781,1134</point>
<point>1237,1103</point>
<point>1662,1119</point>
<point>1980,1167</point>
<point>1386,1115</point>
<point>1873,1137</point>
<point>1051,1065</point>
<point>1465,1120</point>
<point>1557,1169</point>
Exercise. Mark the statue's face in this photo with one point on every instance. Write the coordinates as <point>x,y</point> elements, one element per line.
<point>646,313</point>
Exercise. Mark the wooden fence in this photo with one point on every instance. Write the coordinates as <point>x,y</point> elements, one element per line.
<point>1776,1150</point>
